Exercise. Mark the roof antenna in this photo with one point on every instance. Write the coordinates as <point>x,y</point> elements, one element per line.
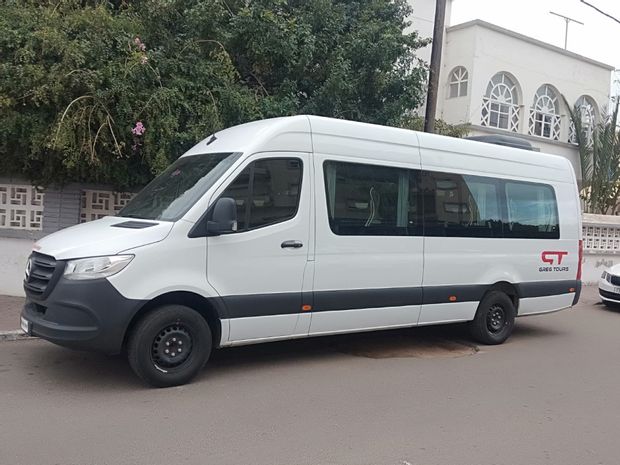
<point>568,20</point>
<point>212,139</point>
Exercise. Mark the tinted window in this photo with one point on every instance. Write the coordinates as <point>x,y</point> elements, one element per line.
<point>171,194</point>
<point>461,206</point>
<point>369,200</point>
<point>532,211</point>
<point>266,192</point>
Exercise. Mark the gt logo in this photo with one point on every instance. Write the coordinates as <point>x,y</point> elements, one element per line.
<point>548,257</point>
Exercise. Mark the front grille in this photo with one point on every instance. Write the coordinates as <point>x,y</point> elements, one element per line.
<point>39,274</point>
<point>615,280</point>
<point>609,295</point>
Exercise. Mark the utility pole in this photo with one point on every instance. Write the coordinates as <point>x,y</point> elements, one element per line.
<point>568,20</point>
<point>435,67</point>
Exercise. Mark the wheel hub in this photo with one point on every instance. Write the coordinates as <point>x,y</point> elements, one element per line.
<point>172,346</point>
<point>496,319</point>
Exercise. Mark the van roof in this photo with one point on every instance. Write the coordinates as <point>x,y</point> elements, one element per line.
<point>295,134</point>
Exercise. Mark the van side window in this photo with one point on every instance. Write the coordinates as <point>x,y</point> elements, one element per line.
<point>532,211</point>
<point>461,206</point>
<point>266,192</point>
<point>370,200</point>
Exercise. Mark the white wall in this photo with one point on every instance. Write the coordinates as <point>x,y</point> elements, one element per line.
<point>13,256</point>
<point>459,50</point>
<point>423,21</point>
<point>485,49</point>
<point>593,266</point>
<point>532,65</point>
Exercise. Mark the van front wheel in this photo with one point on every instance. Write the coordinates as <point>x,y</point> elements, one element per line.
<point>169,346</point>
<point>494,320</point>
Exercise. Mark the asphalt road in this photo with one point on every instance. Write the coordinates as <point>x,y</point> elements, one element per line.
<point>550,395</point>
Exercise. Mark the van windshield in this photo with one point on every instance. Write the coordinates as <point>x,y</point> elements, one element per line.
<point>171,194</point>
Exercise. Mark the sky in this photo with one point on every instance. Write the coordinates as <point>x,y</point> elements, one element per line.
<point>598,38</point>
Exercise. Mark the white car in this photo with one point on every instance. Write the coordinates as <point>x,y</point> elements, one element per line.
<point>609,286</point>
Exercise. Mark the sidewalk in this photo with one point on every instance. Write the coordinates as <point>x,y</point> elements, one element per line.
<point>10,308</point>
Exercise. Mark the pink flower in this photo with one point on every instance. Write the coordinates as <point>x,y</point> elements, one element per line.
<point>139,44</point>
<point>139,129</point>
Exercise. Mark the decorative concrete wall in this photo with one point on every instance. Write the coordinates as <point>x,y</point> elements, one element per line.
<point>96,204</point>
<point>21,207</point>
<point>62,208</point>
<point>28,213</point>
<point>601,245</point>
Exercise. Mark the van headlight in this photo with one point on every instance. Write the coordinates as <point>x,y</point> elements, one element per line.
<point>96,267</point>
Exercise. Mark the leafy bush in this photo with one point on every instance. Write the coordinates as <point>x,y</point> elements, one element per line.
<point>112,92</point>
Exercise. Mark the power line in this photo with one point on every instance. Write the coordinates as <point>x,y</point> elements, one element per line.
<point>601,11</point>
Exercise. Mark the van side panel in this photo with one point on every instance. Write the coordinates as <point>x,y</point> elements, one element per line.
<point>441,153</point>
<point>362,281</point>
<point>542,283</point>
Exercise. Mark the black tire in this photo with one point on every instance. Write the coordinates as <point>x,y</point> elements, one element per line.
<point>169,346</point>
<point>494,320</point>
<point>609,304</point>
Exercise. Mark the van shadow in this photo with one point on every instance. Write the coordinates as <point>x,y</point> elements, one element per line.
<point>59,368</point>
<point>70,370</point>
<point>75,371</point>
<point>422,342</point>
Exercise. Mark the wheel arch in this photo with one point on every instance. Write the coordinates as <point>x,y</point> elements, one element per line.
<point>507,288</point>
<point>210,309</point>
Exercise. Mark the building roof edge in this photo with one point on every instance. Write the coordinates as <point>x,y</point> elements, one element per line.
<point>531,40</point>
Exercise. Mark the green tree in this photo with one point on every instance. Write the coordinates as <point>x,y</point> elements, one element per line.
<point>599,158</point>
<point>346,59</point>
<point>113,91</point>
<point>416,123</point>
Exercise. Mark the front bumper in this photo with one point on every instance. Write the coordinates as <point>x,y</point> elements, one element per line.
<point>85,315</point>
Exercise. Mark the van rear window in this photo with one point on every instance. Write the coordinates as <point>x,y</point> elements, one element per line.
<point>532,211</point>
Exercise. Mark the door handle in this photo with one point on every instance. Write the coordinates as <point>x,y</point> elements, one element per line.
<point>291,245</point>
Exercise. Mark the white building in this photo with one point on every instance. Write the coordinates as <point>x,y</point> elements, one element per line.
<point>502,82</point>
<point>423,21</point>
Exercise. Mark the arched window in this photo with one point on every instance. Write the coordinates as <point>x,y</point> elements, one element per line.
<point>545,113</point>
<point>587,111</point>
<point>458,82</point>
<point>500,105</point>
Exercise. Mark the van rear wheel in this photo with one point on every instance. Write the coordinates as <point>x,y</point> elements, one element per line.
<point>494,320</point>
<point>169,346</point>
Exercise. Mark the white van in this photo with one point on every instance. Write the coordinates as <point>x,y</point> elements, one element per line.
<point>305,226</point>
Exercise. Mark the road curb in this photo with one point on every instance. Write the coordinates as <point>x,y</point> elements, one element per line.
<point>14,335</point>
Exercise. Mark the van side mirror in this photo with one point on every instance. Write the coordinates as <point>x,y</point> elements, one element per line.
<point>223,217</point>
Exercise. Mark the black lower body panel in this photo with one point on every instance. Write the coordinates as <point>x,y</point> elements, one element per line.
<point>85,315</point>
